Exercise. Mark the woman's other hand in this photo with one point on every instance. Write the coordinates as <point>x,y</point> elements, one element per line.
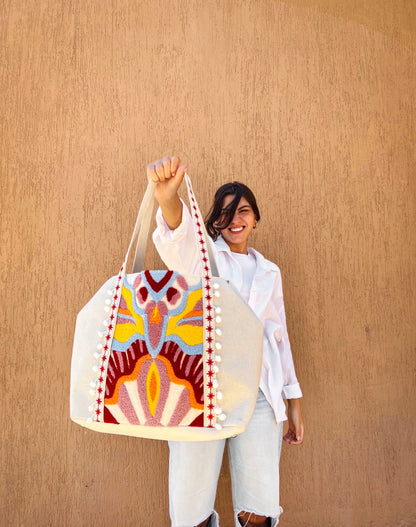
<point>294,435</point>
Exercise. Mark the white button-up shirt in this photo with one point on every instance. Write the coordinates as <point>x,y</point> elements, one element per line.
<point>179,251</point>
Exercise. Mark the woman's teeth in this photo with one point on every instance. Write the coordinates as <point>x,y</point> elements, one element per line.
<point>237,229</point>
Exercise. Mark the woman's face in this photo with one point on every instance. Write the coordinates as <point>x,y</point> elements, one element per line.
<point>238,231</point>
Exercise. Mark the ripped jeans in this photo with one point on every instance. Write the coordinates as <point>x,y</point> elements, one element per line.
<point>254,455</point>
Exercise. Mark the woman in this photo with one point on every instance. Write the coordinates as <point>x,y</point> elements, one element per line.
<point>254,455</point>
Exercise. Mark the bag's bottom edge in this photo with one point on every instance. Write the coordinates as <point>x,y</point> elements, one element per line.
<point>174,433</point>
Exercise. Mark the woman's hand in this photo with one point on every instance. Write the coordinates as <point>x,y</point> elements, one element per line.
<point>294,435</point>
<point>168,174</point>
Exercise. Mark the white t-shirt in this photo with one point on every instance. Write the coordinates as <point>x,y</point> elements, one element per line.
<point>247,263</point>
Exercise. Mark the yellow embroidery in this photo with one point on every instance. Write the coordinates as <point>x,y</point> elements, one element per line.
<point>153,387</point>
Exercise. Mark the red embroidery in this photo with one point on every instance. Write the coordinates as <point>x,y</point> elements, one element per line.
<point>158,285</point>
<point>108,337</point>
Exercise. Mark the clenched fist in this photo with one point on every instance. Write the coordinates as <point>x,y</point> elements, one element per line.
<point>168,174</point>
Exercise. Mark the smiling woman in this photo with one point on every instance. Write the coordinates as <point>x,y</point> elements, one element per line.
<point>254,454</point>
<point>229,199</point>
<point>239,225</point>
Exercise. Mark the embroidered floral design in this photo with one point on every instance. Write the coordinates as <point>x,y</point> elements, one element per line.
<point>155,368</point>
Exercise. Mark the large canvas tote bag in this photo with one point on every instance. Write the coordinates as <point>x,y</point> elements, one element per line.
<point>163,355</point>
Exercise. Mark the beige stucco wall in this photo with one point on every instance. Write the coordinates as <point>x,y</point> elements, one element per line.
<point>309,102</point>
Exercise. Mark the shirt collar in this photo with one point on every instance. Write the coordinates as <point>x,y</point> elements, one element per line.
<point>262,263</point>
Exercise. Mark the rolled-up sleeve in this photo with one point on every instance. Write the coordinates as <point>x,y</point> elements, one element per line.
<point>291,388</point>
<point>292,391</point>
<point>177,248</point>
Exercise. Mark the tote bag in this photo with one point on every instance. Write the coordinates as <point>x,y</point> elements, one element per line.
<point>163,355</point>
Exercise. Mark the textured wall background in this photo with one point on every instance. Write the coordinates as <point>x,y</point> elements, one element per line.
<point>309,102</point>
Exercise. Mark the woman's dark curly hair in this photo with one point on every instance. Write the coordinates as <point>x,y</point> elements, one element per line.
<point>219,218</point>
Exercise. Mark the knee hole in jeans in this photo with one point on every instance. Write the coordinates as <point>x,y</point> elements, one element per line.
<point>249,519</point>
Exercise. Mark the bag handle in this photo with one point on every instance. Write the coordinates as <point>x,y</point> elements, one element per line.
<point>142,226</point>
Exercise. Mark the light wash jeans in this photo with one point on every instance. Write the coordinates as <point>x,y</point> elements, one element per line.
<point>254,455</point>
